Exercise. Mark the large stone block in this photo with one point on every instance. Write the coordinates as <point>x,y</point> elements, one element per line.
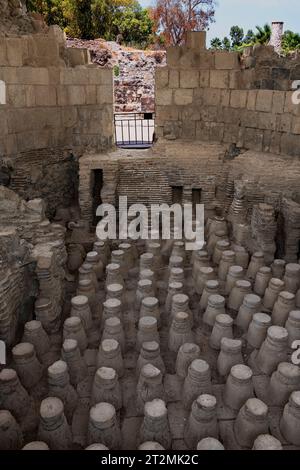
<point>3,123</point>
<point>204,60</point>
<point>3,55</point>
<point>290,144</point>
<point>196,39</point>
<point>188,58</point>
<point>43,139</point>
<point>94,75</point>
<point>9,74</point>
<point>57,33</point>
<point>106,76</point>
<point>105,94</point>
<point>264,100</point>
<point>24,120</point>
<point>249,118</point>
<point>16,95</point>
<point>43,51</point>
<point>78,56</point>
<point>209,113</point>
<point>231,133</point>
<point>203,131</point>
<point>225,98</point>
<point>278,102</point>
<point>235,80</point>
<point>33,76</point>
<point>296,125</point>
<point>76,95</point>
<point>183,97</point>
<point>173,78</point>
<point>167,113</point>
<point>173,56</point>
<point>163,97</point>
<point>188,129</point>
<point>253,139</point>
<point>191,113</point>
<point>29,95</point>
<point>62,95</point>
<point>219,79</point>
<point>15,51</point>
<point>226,60</point>
<point>69,116</point>
<point>161,77</point>
<point>189,79</point>
<point>251,100</point>
<point>217,131</point>
<point>291,106</point>
<point>238,98</point>
<point>284,122</point>
<point>91,94</point>
<point>45,96</point>
<point>267,121</point>
<point>74,76</point>
<point>211,96</point>
<point>204,76</point>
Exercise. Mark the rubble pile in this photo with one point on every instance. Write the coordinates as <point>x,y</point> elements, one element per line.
<point>134,76</point>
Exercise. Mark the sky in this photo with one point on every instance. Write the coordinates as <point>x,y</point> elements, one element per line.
<point>249,13</point>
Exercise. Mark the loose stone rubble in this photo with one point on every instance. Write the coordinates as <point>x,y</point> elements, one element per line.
<point>134,81</point>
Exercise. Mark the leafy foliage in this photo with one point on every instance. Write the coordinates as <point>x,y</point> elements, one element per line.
<point>216,43</point>
<point>79,18</point>
<point>263,34</point>
<point>290,40</point>
<point>135,25</point>
<point>173,18</point>
<point>89,19</point>
<point>236,35</point>
<point>52,11</point>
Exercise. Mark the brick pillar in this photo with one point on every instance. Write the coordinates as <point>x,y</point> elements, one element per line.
<point>276,36</point>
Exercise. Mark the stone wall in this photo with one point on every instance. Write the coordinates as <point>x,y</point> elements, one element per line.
<point>57,106</point>
<point>220,96</point>
<point>148,176</point>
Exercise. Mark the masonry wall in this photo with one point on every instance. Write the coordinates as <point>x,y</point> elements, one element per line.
<point>220,96</point>
<point>147,177</point>
<point>57,106</point>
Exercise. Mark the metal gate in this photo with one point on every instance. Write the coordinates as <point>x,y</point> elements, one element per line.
<point>134,130</point>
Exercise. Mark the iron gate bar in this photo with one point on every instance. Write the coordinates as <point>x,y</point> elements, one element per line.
<point>127,137</point>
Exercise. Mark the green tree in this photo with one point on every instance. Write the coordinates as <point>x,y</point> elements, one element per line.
<point>216,43</point>
<point>237,35</point>
<point>250,37</point>
<point>52,10</point>
<point>226,44</point>
<point>263,34</point>
<point>135,25</point>
<point>105,14</point>
<point>290,41</point>
<point>78,14</point>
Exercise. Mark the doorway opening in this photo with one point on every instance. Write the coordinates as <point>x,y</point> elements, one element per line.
<point>196,197</point>
<point>177,193</point>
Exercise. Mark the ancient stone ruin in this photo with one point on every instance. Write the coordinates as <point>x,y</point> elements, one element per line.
<point>142,344</point>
